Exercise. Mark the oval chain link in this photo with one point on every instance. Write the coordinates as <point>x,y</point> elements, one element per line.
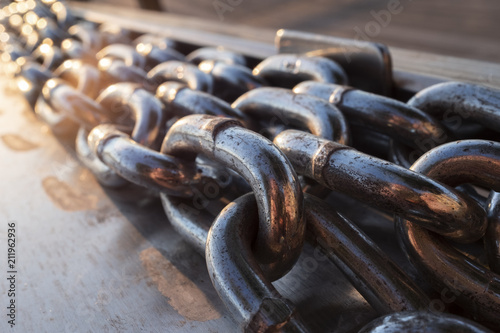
<point>185,124</point>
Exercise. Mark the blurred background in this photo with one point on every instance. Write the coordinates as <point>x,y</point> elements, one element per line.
<point>461,28</point>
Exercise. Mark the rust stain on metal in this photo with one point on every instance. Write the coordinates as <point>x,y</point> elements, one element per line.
<point>184,296</point>
<point>66,197</point>
<point>15,142</point>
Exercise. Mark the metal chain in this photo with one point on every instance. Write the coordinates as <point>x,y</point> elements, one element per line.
<point>180,123</point>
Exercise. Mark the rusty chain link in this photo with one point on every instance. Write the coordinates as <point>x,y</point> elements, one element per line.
<point>187,125</point>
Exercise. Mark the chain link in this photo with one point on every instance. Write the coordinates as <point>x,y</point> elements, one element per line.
<point>187,124</point>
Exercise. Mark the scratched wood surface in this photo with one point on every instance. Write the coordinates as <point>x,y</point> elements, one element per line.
<point>460,28</point>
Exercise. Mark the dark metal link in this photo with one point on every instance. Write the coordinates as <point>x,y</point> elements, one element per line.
<point>422,322</point>
<point>385,115</point>
<point>85,78</point>
<point>104,174</point>
<point>492,236</point>
<point>125,53</point>
<point>377,278</point>
<point>231,80</point>
<point>454,103</point>
<point>85,42</point>
<point>181,72</point>
<point>58,122</point>
<point>66,101</point>
<point>13,51</point>
<point>192,217</point>
<point>384,185</point>
<point>48,29</point>
<point>157,52</point>
<point>48,55</point>
<point>158,41</point>
<point>266,169</point>
<point>72,49</point>
<point>286,70</point>
<point>182,101</point>
<point>368,65</point>
<point>476,288</point>
<point>124,99</point>
<point>481,104</point>
<point>303,111</point>
<point>141,165</point>
<point>64,17</point>
<point>115,71</point>
<point>237,276</point>
<point>121,94</point>
<point>217,54</point>
<point>30,80</point>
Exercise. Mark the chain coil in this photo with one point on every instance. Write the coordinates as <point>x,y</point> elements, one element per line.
<point>148,111</point>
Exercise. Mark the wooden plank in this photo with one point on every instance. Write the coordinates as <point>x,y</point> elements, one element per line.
<point>467,21</point>
<point>258,43</point>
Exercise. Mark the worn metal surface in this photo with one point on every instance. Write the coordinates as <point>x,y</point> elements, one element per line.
<point>172,276</point>
<point>384,115</point>
<point>91,260</point>
<point>386,186</point>
<point>475,288</point>
<point>422,322</point>
<point>265,168</point>
<point>284,107</point>
<point>367,64</point>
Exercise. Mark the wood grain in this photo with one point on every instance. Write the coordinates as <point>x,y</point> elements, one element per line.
<point>459,28</point>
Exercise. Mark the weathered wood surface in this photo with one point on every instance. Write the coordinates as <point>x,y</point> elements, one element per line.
<point>460,28</point>
<point>258,42</point>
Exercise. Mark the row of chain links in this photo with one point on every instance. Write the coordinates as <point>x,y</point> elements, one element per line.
<point>201,127</point>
